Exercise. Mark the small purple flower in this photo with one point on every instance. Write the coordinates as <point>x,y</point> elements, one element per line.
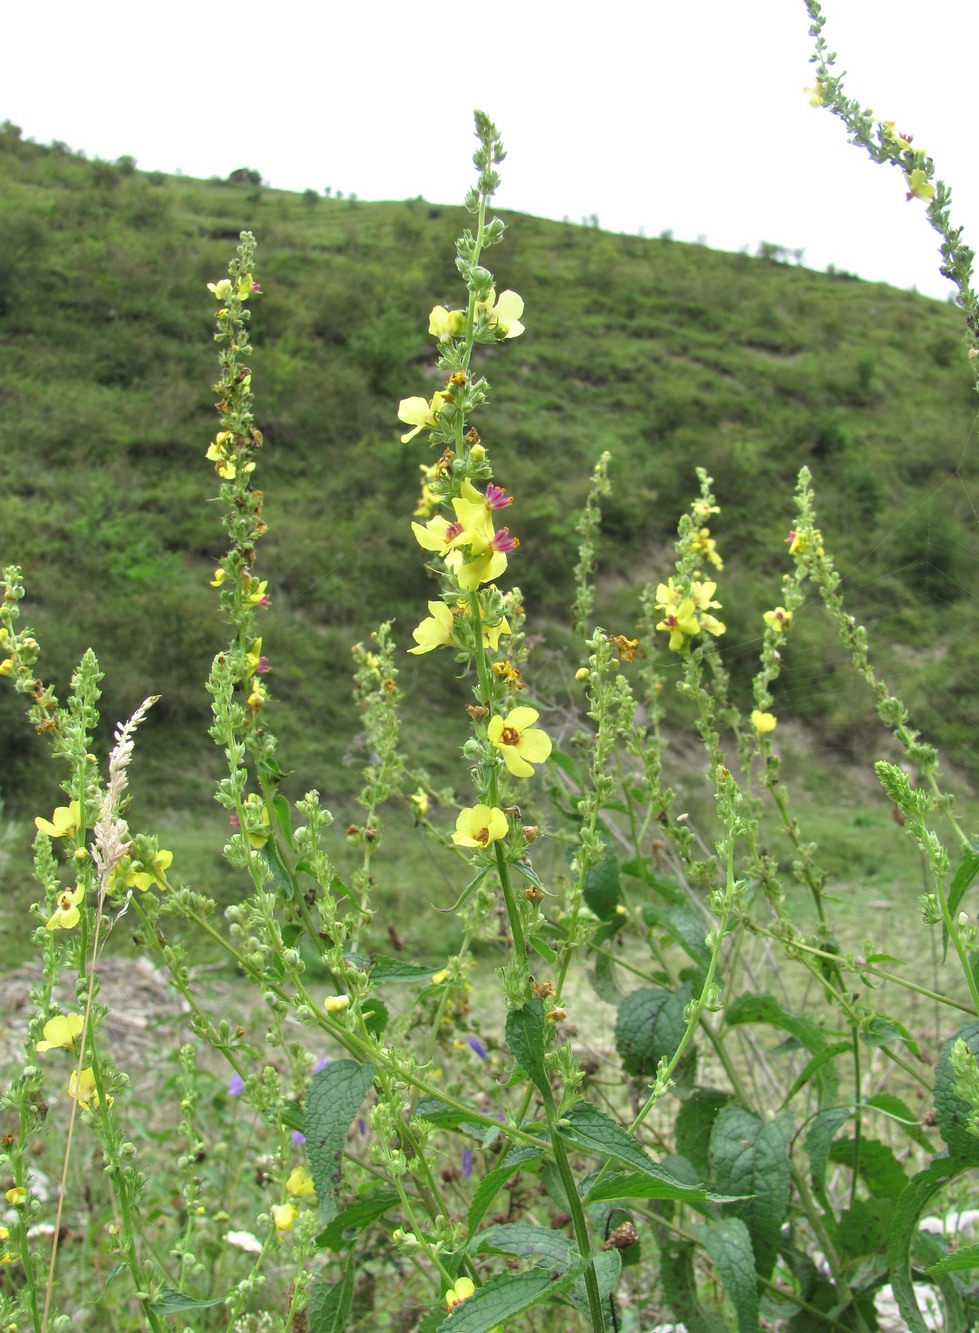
<point>467,1163</point>
<point>256,289</point>
<point>236,1085</point>
<point>235,822</point>
<point>478,1047</point>
<point>361,1128</point>
<point>298,1137</point>
<point>321,1063</point>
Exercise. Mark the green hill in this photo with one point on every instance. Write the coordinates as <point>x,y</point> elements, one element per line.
<point>666,354</point>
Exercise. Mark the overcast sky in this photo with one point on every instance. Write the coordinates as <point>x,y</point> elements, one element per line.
<point>686,115</point>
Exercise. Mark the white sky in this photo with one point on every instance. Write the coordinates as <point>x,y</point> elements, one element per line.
<point>652,114</point>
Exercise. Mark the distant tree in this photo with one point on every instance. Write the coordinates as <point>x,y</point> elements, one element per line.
<point>245,176</point>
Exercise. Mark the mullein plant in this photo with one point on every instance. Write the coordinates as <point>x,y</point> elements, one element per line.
<point>780,1197</point>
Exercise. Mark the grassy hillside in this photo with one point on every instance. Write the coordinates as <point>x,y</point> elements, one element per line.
<point>668,355</point>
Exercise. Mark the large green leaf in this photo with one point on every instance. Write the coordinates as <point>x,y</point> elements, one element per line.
<point>592,1130</point>
<point>694,1122</point>
<point>903,1231</point>
<point>350,1222</point>
<point>751,1156</point>
<point>685,927</point>
<point>819,1138</point>
<point>681,1292</point>
<point>526,1037</point>
<point>501,1299</point>
<point>645,1185</point>
<point>538,1245</point>
<point>967,870</point>
<point>334,1098</point>
<point>899,1112</point>
<point>329,1307</point>
<point>766,1008</point>
<point>882,1173</point>
<point>172,1302</point>
<point>729,1246</point>
<point>601,887</point>
<point>961,1260</point>
<point>491,1184</point>
<point>953,1112</point>
<point>649,1027</point>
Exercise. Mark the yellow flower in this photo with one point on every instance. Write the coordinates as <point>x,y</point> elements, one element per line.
<point>83,1090</point>
<point>63,823</point>
<point>61,1031</point>
<point>463,1289</point>
<point>420,414</point>
<point>679,620</point>
<point>436,632</point>
<point>335,1004</point>
<point>16,1197</point>
<point>704,544</point>
<point>519,741</point>
<point>219,576</point>
<point>763,722</point>
<point>491,633</point>
<point>502,314</point>
<point>153,873</point>
<point>283,1215</point>
<point>778,619</point>
<point>255,592</point>
<point>919,186</point>
<point>480,825</point>
<point>300,1183</point>
<point>223,466</point>
<point>420,799</point>
<point>67,913</point>
<point>816,94</point>
<point>221,290</point>
<point>445,324</point>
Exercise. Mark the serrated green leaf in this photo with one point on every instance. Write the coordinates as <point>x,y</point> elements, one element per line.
<point>729,1246</point>
<point>172,1302</point>
<point>882,1030</point>
<point>527,870</point>
<point>685,927</point>
<point>966,872</point>
<point>827,1087</point>
<point>398,971</point>
<point>903,1228</point>
<point>649,1027</point>
<point>952,1111</point>
<point>680,1289</point>
<point>591,1129</point>
<point>348,1224</point>
<point>959,1261</point>
<point>375,1015</point>
<point>468,891</point>
<point>335,1096</point>
<point>542,948</point>
<point>766,1008</point>
<point>819,1138</point>
<point>330,1307</point>
<point>664,885</point>
<point>447,1117</point>
<point>525,1035</point>
<point>646,1185</point>
<point>608,1267</point>
<point>280,808</point>
<point>602,890</point>
<point>278,870</point>
<point>694,1123</point>
<point>879,1168</point>
<point>500,1299</point>
<point>539,1245</point>
<point>491,1184</point>
<point>602,975</point>
<point>900,1113</point>
<point>751,1156</point>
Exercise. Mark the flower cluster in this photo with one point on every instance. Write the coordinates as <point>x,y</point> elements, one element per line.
<point>687,611</point>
